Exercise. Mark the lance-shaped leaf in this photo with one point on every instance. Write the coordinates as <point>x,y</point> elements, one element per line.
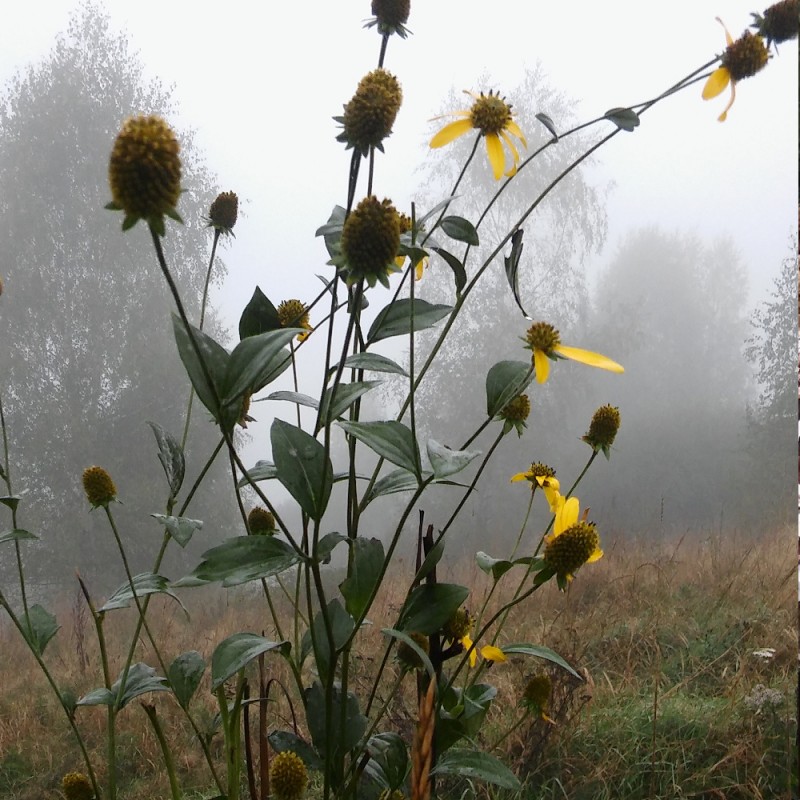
<point>399,480</point>
<point>185,674</point>
<point>440,206</point>
<point>332,231</point>
<point>262,471</point>
<point>549,124</point>
<point>459,273</point>
<point>625,118</point>
<point>460,229</point>
<point>496,567</point>
<point>374,363</point>
<point>170,454</point>
<point>504,381</point>
<point>144,584</point>
<point>366,564</point>
<point>511,262</point>
<point>432,558</point>
<point>424,659</point>
<point>140,680</point>
<point>236,652</point>
<point>11,500</point>
<point>256,361</point>
<point>391,439</point>
<point>341,624</point>
<point>539,652</point>
<point>287,741</point>
<point>447,462</point>
<point>326,545</point>
<point>16,535</point>
<point>346,395</point>
<point>242,559</point>
<point>355,723</point>
<point>40,626</point>
<point>293,397</point>
<point>215,357</point>
<point>180,529</point>
<point>388,764</point>
<point>462,714</point>
<point>395,319</point>
<point>430,606</point>
<point>259,316</point>
<point>302,467</point>
<point>478,765</point>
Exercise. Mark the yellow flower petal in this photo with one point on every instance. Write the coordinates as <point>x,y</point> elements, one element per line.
<point>716,83</point>
<point>420,268</point>
<point>541,364</point>
<point>553,496</point>
<point>567,515</point>
<point>588,357</point>
<point>466,643</point>
<point>451,131</point>
<point>514,152</point>
<point>520,476</point>
<point>512,127</point>
<point>596,556</point>
<point>724,115</point>
<point>492,653</point>
<point>728,37</point>
<point>494,149</point>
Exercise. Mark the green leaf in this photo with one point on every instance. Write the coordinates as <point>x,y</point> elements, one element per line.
<point>40,627</point>
<point>504,381</point>
<point>294,397</point>
<point>402,636</point>
<point>326,545</point>
<point>624,118</point>
<point>256,361</point>
<point>286,741</point>
<point>539,652</point>
<point>185,674</point>
<point>236,652</point>
<point>97,697</point>
<point>430,606</point>
<point>332,230</point>
<point>259,316</point>
<point>511,262</point>
<point>374,363</point>
<point>459,273</point>
<point>346,395</point>
<point>548,123</point>
<point>496,567</point>
<point>141,680</point>
<point>366,565</point>
<point>342,625</point>
<point>11,500</point>
<point>144,584</point>
<point>446,462</point>
<point>395,319</point>
<point>262,471</point>
<point>399,480</point>
<point>462,714</point>
<point>170,454</point>
<point>216,358</point>
<point>460,229</point>
<point>433,557</point>
<point>440,206</point>
<point>391,439</point>
<point>389,753</point>
<point>242,559</point>
<point>478,765</point>
<point>180,529</point>
<point>16,535</point>
<point>302,467</point>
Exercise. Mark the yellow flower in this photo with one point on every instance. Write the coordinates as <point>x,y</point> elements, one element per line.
<point>288,776</point>
<point>293,314</point>
<point>76,786</point>
<point>741,59</point>
<point>544,340</point>
<point>544,477</point>
<point>491,116</point>
<point>458,629</point>
<point>572,543</point>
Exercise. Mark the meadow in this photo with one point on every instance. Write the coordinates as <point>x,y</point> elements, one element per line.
<point>687,645</point>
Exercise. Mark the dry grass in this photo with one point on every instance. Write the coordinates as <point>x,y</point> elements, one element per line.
<point>665,633</point>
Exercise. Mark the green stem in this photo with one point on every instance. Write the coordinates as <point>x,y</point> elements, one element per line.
<point>165,751</point>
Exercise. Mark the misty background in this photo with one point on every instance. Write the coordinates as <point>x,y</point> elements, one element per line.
<point>675,256</point>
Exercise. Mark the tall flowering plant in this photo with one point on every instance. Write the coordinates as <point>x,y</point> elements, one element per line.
<point>344,736</point>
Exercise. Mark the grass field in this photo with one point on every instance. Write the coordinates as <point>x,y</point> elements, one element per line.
<point>681,698</point>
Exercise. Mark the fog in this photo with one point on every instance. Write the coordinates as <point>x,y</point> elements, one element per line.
<point>668,252</point>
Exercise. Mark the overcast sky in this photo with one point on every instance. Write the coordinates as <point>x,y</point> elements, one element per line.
<point>261,81</point>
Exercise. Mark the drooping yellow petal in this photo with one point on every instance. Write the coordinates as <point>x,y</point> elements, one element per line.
<point>512,127</point>
<point>728,37</point>
<point>588,357</point>
<point>466,642</point>
<point>520,476</point>
<point>541,364</point>
<point>567,515</point>
<point>596,556</point>
<point>553,497</point>
<point>494,149</point>
<point>450,132</point>
<point>544,482</point>
<point>724,115</point>
<point>716,83</point>
<point>514,152</point>
<point>492,653</point>
<point>420,268</point>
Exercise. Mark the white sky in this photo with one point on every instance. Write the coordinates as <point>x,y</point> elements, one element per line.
<point>261,81</point>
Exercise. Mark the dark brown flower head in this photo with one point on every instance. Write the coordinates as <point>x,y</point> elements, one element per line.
<point>390,17</point>
<point>603,428</point>
<point>539,470</point>
<point>224,212</point>
<point>369,243</point>
<point>518,409</point>
<point>570,550</point>
<point>779,23</point>
<point>288,776</point>
<point>144,172</point>
<point>98,486</point>
<point>76,786</point>
<point>745,57</point>
<point>370,114</point>
<point>542,336</point>
<point>261,522</point>
<point>458,626</point>
<point>293,314</point>
<point>407,657</point>
<point>490,113</point>
<point>536,694</point>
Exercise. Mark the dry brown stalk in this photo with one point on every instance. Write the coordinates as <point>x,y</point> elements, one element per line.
<point>422,749</point>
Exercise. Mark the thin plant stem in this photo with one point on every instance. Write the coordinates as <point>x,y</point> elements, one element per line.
<point>166,754</point>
